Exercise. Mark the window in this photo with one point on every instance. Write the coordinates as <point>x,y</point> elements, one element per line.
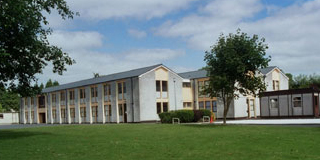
<point>158,87</point>
<point>158,107</point>
<point>120,88</point>
<point>82,93</point>
<point>297,102</point>
<point>165,107</point>
<point>214,106</point>
<point>186,104</point>
<point>32,115</point>
<point>107,92</point>
<point>54,114</point>
<point>124,88</point>
<point>63,113</point>
<point>1,116</point>
<point>201,105</point>
<point>95,111</point>
<point>164,86</point>
<point>94,92</point>
<point>83,112</point>
<point>42,102</point>
<point>120,110</point>
<point>186,84</point>
<point>26,115</point>
<point>72,113</point>
<point>274,103</point>
<point>107,110</point>
<point>276,85</point>
<point>62,96</point>
<point>208,105</point>
<point>71,96</point>
<point>206,84</point>
<point>53,98</point>
<point>200,88</point>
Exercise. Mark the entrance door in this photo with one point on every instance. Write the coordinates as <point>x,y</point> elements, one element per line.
<point>42,117</point>
<point>251,108</point>
<point>316,106</point>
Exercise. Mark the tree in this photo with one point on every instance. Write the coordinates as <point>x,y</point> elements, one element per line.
<point>51,84</point>
<point>8,100</point>
<point>303,81</point>
<point>24,47</point>
<point>231,65</point>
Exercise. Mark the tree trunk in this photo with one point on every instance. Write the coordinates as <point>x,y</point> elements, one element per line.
<point>226,104</point>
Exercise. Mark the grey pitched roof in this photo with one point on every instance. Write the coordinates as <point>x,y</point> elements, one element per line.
<point>267,69</point>
<point>101,79</point>
<point>194,74</point>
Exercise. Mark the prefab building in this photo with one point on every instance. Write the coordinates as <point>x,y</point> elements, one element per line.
<point>290,103</point>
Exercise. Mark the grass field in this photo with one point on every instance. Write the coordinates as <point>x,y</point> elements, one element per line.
<point>159,141</point>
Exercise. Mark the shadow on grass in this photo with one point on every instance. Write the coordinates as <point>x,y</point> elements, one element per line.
<point>6,135</point>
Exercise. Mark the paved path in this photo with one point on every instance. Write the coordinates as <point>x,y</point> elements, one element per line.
<point>19,126</point>
<point>274,121</point>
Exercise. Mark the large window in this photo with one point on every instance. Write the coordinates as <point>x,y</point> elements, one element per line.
<point>107,110</point>
<point>54,113</point>
<point>107,92</point>
<point>82,95</point>
<point>162,107</point>
<point>122,90</point>
<point>1,116</point>
<point>297,102</point>
<point>83,112</point>
<point>63,113</point>
<point>274,103</point>
<point>54,98</point>
<point>200,88</point>
<point>72,113</point>
<point>71,96</point>
<point>42,102</point>
<point>208,105</point>
<point>94,94</point>
<point>162,89</point>
<point>201,105</point>
<point>276,85</point>
<point>62,96</point>
<point>214,106</point>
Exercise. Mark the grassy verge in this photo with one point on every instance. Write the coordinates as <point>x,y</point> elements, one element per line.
<point>159,141</point>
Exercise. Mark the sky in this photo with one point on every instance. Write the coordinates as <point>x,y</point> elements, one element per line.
<point>111,36</point>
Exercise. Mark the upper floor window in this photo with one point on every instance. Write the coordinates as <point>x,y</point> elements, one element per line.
<point>71,95</point>
<point>62,96</point>
<point>162,89</point>
<point>94,91</point>
<point>122,90</point>
<point>200,88</point>
<point>42,102</point>
<point>25,101</point>
<point>82,93</point>
<point>276,85</point>
<point>107,92</point>
<point>53,98</point>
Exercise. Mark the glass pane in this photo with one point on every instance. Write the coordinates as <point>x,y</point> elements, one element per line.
<point>158,86</point>
<point>165,107</point>
<point>158,108</point>
<point>119,88</point>
<point>208,105</point>
<point>124,87</point>
<point>120,109</point>
<point>201,105</point>
<point>214,106</point>
<point>164,86</point>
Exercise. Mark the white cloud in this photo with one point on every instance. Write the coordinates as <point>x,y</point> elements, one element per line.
<point>137,33</point>
<point>143,9</point>
<point>292,32</point>
<point>152,55</point>
<point>76,40</point>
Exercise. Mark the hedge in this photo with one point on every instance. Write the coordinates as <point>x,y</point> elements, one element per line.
<point>185,116</point>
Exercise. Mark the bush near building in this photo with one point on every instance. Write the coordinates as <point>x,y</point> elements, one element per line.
<point>185,116</point>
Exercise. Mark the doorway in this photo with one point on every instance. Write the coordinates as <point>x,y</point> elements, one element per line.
<point>251,108</point>
<point>316,106</point>
<point>42,118</point>
<point>123,112</point>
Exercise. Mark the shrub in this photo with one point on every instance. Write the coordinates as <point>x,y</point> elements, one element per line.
<point>198,114</point>
<point>184,116</point>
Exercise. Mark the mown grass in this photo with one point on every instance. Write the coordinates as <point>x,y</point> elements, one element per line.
<point>160,141</point>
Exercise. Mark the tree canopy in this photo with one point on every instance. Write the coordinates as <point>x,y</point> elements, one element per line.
<point>24,47</point>
<point>51,84</point>
<point>231,65</point>
<point>303,81</point>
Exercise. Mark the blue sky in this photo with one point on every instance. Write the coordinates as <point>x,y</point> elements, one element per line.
<point>117,35</point>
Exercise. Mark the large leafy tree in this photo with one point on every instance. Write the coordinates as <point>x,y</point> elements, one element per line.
<point>24,47</point>
<point>303,81</point>
<point>231,66</point>
<point>8,100</point>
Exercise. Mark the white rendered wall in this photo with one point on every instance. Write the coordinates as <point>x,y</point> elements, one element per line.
<point>9,118</point>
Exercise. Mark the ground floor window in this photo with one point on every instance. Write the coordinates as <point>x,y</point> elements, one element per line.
<point>187,104</point>
<point>54,113</point>
<point>214,106</point>
<point>26,115</point>
<point>107,110</point>
<point>162,107</point>
<point>63,113</point>
<point>201,105</point>
<point>72,113</point>
<point>297,102</point>
<point>274,103</point>
<point>210,105</point>
<point>83,112</point>
<point>122,109</point>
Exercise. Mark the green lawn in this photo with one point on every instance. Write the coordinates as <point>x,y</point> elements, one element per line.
<point>159,141</point>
